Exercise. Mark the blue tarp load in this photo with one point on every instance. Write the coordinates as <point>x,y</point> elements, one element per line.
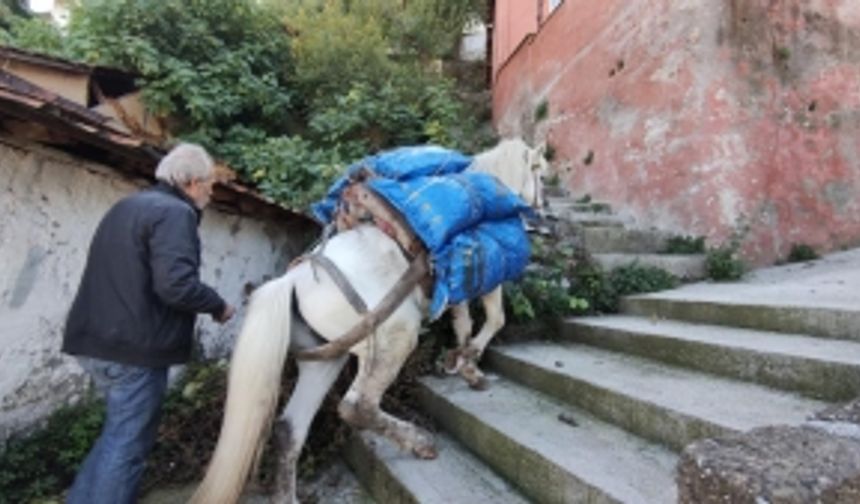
<point>469,221</point>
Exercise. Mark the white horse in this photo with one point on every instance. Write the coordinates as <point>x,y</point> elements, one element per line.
<point>304,306</point>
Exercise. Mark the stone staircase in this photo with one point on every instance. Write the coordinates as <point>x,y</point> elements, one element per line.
<point>600,409</point>
<point>612,243</point>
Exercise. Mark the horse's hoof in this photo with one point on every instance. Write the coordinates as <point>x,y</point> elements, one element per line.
<point>480,383</point>
<point>427,452</point>
<point>452,363</point>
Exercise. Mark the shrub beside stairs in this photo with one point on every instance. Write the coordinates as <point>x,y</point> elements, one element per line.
<point>601,409</point>
<point>611,243</point>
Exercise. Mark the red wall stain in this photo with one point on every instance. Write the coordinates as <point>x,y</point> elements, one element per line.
<point>725,119</point>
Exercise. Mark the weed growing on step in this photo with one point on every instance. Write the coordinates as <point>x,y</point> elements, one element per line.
<point>801,252</point>
<point>584,200</point>
<point>563,282</point>
<point>542,111</point>
<point>549,152</point>
<point>637,278</point>
<point>43,463</point>
<point>588,281</point>
<point>544,290</point>
<point>723,264</point>
<point>601,208</point>
<point>685,245</point>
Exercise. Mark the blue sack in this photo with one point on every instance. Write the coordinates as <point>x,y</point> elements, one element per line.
<point>438,208</point>
<point>402,163</point>
<point>468,221</point>
<point>476,261</point>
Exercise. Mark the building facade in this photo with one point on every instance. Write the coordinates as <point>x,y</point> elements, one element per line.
<point>733,120</point>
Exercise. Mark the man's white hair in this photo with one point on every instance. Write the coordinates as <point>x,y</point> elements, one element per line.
<point>185,163</point>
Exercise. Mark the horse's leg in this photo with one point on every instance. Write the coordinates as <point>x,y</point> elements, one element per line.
<point>377,369</point>
<point>471,353</point>
<point>291,428</point>
<point>462,322</point>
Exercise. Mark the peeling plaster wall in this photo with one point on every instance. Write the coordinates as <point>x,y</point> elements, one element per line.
<point>739,117</point>
<point>50,204</point>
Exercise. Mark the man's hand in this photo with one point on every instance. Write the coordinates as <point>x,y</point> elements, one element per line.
<point>226,315</point>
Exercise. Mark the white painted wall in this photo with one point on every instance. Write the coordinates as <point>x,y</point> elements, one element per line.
<point>473,45</point>
<point>50,204</point>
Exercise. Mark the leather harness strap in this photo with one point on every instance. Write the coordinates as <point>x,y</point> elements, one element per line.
<point>337,275</point>
<point>359,205</point>
<point>417,270</point>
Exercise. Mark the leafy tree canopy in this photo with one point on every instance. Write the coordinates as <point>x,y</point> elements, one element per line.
<point>285,91</point>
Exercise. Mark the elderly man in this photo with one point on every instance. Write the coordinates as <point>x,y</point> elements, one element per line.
<point>134,316</point>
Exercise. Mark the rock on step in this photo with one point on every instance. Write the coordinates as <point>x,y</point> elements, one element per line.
<point>554,452</point>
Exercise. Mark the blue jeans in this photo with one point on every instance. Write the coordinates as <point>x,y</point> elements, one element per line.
<point>112,471</point>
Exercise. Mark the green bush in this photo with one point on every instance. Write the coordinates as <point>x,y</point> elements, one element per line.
<point>544,291</point>
<point>588,281</point>
<point>685,245</point>
<point>801,252</point>
<point>636,278</point>
<point>209,64</point>
<point>18,29</point>
<point>328,61</point>
<point>542,111</point>
<point>44,463</point>
<point>562,281</point>
<point>723,264</point>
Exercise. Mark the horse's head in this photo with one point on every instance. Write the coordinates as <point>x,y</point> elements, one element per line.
<point>538,169</point>
<point>518,166</point>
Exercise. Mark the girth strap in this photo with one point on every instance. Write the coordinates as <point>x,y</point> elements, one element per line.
<point>337,275</point>
<point>418,269</point>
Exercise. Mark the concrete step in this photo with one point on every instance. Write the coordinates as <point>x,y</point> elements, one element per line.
<point>687,267</point>
<point>394,476</point>
<point>333,483</point>
<point>815,367</point>
<point>589,219</point>
<point>553,452</point>
<point>668,405</point>
<point>767,311</point>
<point>598,240</point>
<point>571,204</point>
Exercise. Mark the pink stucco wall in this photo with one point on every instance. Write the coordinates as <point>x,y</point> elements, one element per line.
<point>700,116</point>
<point>514,21</point>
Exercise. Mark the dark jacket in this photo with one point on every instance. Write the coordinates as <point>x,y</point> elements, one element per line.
<point>141,288</point>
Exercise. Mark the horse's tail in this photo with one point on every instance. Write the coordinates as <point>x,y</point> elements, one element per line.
<point>252,393</point>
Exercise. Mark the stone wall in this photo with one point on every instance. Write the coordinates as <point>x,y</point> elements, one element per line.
<point>739,117</point>
<point>50,204</point>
